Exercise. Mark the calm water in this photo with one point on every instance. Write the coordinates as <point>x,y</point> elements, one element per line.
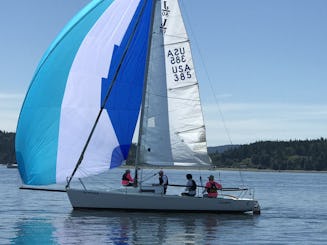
<point>294,211</point>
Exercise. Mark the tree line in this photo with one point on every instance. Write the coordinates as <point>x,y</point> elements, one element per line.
<point>7,147</point>
<point>275,155</point>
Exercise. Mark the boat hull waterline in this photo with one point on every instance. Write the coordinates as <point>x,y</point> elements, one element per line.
<point>121,199</point>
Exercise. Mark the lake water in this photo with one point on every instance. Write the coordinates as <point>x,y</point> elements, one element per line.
<point>294,211</point>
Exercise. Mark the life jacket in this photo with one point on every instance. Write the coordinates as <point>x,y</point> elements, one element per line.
<point>125,177</point>
<point>193,187</point>
<point>213,188</point>
<point>161,180</point>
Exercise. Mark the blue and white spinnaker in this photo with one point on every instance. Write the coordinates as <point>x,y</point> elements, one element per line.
<point>106,42</point>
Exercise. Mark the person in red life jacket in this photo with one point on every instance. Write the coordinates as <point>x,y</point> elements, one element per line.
<point>163,180</point>
<point>212,187</point>
<point>127,179</point>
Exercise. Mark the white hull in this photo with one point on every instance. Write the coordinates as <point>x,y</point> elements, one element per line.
<point>132,199</point>
<point>12,165</point>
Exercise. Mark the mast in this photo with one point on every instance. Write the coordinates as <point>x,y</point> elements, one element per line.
<point>107,94</point>
<point>137,157</point>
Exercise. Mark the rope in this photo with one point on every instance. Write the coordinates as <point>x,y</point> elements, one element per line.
<point>211,87</point>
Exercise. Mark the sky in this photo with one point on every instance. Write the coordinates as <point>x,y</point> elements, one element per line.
<point>261,64</point>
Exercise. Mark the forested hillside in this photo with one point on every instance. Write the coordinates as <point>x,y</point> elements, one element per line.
<point>7,147</point>
<point>276,155</point>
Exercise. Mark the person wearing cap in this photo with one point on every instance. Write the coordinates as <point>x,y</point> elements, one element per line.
<point>212,187</point>
<point>127,179</point>
<point>190,189</point>
<point>163,180</point>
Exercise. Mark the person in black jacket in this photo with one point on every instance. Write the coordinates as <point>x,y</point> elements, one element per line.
<point>190,189</point>
<point>163,180</point>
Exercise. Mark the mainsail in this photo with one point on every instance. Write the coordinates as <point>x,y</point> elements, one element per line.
<point>106,41</point>
<point>173,131</point>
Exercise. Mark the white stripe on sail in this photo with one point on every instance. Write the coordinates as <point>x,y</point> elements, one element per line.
<point>82,97</point>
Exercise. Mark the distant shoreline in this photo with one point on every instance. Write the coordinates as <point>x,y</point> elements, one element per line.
<point>222,169</point>
<point>217,169</point>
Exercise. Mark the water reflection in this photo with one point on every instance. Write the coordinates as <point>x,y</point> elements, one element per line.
<point>28,217</point>
<point>35,231</point>
<point>105,227</point>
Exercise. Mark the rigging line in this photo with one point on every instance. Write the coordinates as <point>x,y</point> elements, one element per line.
<point>211,87</point>
<point>210,82</point>
<point>189,130</point>
<point>37,188</point>
<point>175,36</point>
<point>170,97</point>
<point>149,176</point>
<point>145,85</point>
<point>174,43</point>
<point>183,86</point>
<point>107,95</point>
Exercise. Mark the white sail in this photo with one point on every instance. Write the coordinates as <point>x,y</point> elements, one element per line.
<point>172,130</point>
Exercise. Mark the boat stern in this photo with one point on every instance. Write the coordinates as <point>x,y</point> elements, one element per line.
<point>256,208</point>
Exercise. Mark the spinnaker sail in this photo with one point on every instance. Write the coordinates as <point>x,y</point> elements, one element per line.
<point>117,47</point>
<point>68,88</point>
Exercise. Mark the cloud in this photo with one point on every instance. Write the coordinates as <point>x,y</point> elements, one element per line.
<point>10,105</point>
<point>242,123</point>
<point>6,96</point>
<point>237,123</point>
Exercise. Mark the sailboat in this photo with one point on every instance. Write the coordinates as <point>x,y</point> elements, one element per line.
<point>115,63</point>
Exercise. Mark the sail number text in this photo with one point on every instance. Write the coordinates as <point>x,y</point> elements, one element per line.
<point>180,69</point>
